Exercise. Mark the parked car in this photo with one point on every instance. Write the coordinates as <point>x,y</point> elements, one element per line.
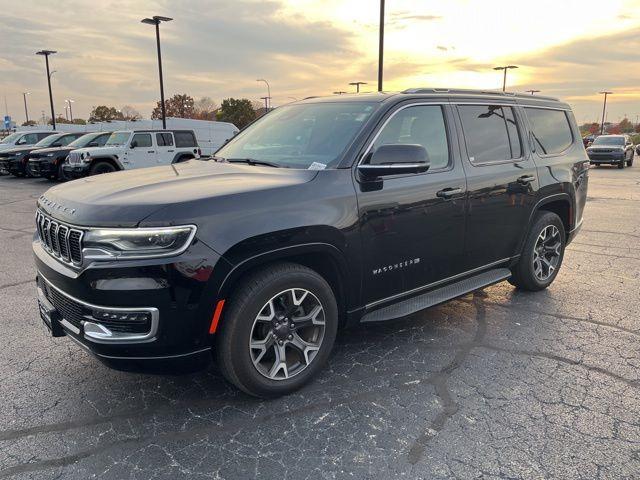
<point>23,138</point>
<point>324,213</point>
<point>48,162</point>
<point>129,149</point>
<point>15,160</point>
<point>611,149</point>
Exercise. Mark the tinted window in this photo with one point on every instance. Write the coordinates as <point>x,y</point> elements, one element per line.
<point>102,139</point>
<point>608,141</point>
<point>185,139</point>
<point>43,135</point>
<point>142,140</point>
<point>66,140</point>
<point>491,133</point>
<point>164,139</point>
<point>550,128</point>
<point>30,138</point>
<point>422,125</point>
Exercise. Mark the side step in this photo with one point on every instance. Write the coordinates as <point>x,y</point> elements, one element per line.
<point>439,295</point>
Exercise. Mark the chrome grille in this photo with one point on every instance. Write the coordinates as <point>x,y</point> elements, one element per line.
<point>73,158</point>
<point>62,241</point>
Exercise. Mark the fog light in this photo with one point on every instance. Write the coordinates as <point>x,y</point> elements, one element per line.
<point>115,316</point>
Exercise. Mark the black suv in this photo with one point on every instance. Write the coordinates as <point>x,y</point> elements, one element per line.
<point>322,214</point>
<point>16,160</point>
<point>611,149</point>
<point>48,162</point>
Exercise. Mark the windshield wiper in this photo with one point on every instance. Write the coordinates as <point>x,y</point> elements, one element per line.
<point>251,161</point>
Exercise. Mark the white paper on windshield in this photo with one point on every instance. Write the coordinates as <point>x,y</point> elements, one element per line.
<point>317,166</point>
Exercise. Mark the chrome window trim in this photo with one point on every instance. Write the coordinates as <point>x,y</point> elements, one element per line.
<point>117,337</point>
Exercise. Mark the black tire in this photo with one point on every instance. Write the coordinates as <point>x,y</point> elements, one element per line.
<point>523,274</point>
<point>61,176</point>
<point>232,350</point>
<point>621,164</point>
<point>101,166</point>
<point>630,162</point>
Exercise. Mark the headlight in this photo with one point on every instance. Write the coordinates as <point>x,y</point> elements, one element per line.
<point>123,243</point>
<point>18,154</point>
<point>49,154</point>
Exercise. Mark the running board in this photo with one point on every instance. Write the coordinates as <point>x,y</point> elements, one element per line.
<point>439,295</point>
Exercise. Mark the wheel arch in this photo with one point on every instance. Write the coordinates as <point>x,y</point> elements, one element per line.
<point>109,159</point>
<point>561,204</point>
<point>182,155</point>
<point>324,258</point>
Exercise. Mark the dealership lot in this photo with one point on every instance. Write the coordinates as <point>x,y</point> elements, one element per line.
<point>496,384</point>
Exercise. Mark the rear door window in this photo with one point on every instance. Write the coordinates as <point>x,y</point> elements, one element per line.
<point>491,133</point>
<point>185,139</point>
<point>164,139</point>
<point>551,130</point>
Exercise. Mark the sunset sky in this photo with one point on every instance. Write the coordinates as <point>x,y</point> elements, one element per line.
<point>570,49</point>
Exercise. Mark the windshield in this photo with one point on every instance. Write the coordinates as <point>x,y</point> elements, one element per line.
<point>83,140</point>
<point>11,138</point>
<point>118,138</point>
<point>47,141</point>
<point>609,141</point>
<point>312,135</point>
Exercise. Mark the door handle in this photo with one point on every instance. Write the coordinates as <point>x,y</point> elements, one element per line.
<point>526,179</point>
<point>151,151</point>
<point>448,192</point>
<point>170,151</point>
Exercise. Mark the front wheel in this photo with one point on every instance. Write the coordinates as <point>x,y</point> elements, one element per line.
<point>278,331</point>
<point>630,162</point>
<point>101,167</point>
<point>621,163</point>
<point>542,255</point>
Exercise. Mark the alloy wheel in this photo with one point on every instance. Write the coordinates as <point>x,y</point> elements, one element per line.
<point>287,334</point>
<point>546,253</point>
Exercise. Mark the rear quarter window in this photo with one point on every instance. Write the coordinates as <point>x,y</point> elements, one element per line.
<point>551,130</point>
<point>185,139</point>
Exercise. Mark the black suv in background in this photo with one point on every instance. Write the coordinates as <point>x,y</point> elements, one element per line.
<point>322,214</point>
<point>15,161</point>
<point>48,162</point>
<point>611,149</point>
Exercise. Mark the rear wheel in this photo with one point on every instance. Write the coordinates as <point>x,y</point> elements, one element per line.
<point>542,254</point>
<point>100,167</point>
<point>278,330</point>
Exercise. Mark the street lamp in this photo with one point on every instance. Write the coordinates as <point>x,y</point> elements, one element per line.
<point>533,91</point>
<point>46,54</point>
<point>381,45</point>
<point>155,20</point>
<point>66,112</point>
<point>604,109</point>
<point>26,111</point>
<point>268,97</point>
<point>69,101</point>
<point>357,85</point>
<point>504,79</point>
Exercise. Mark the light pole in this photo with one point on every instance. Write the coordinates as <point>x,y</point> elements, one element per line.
<point>69,101</point>
<point>504,78</point>
<point>604,109</point>
<point>66,112</point>
<point>46,54</point>
<point>381,46</point>
<point>268,97</point>
<point>267,101</point>
<point>357,85</point>
<point>155,20</point>
<point>26,111</point>
<point>533,91</point>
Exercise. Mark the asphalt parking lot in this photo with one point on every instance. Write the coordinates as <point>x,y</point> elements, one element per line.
<point>497,384</point>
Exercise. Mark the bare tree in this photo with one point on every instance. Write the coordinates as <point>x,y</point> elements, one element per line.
<point>130,113</point>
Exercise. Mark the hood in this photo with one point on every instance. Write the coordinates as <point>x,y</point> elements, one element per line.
<point>6,146</point>
<point>94,151</point>
<point>12,151</point>
<point>54,150</point>
<point>126,198</point>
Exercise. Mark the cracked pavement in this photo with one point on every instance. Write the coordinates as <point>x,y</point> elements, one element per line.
<point>496,384</point>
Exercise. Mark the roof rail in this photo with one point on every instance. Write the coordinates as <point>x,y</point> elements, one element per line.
<point>471,91</point>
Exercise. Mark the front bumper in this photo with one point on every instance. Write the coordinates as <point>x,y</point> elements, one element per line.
<point>41,167</point>
<point>12,165</point>
<point>75,170</point>
<point>147,309</point>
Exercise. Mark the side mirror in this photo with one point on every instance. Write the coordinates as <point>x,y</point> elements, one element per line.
<point>93,144</point>
<point>395,160</point>
<point>134,144</point>
<point>22,141</point>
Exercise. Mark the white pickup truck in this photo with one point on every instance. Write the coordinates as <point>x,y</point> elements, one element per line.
<point>128,149</point>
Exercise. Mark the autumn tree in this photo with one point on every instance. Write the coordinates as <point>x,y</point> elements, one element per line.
<point>238,111</point>
<point>102,113</point>
<point>129,113</point>
<point>625,125</point>
<point>178,106</point>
